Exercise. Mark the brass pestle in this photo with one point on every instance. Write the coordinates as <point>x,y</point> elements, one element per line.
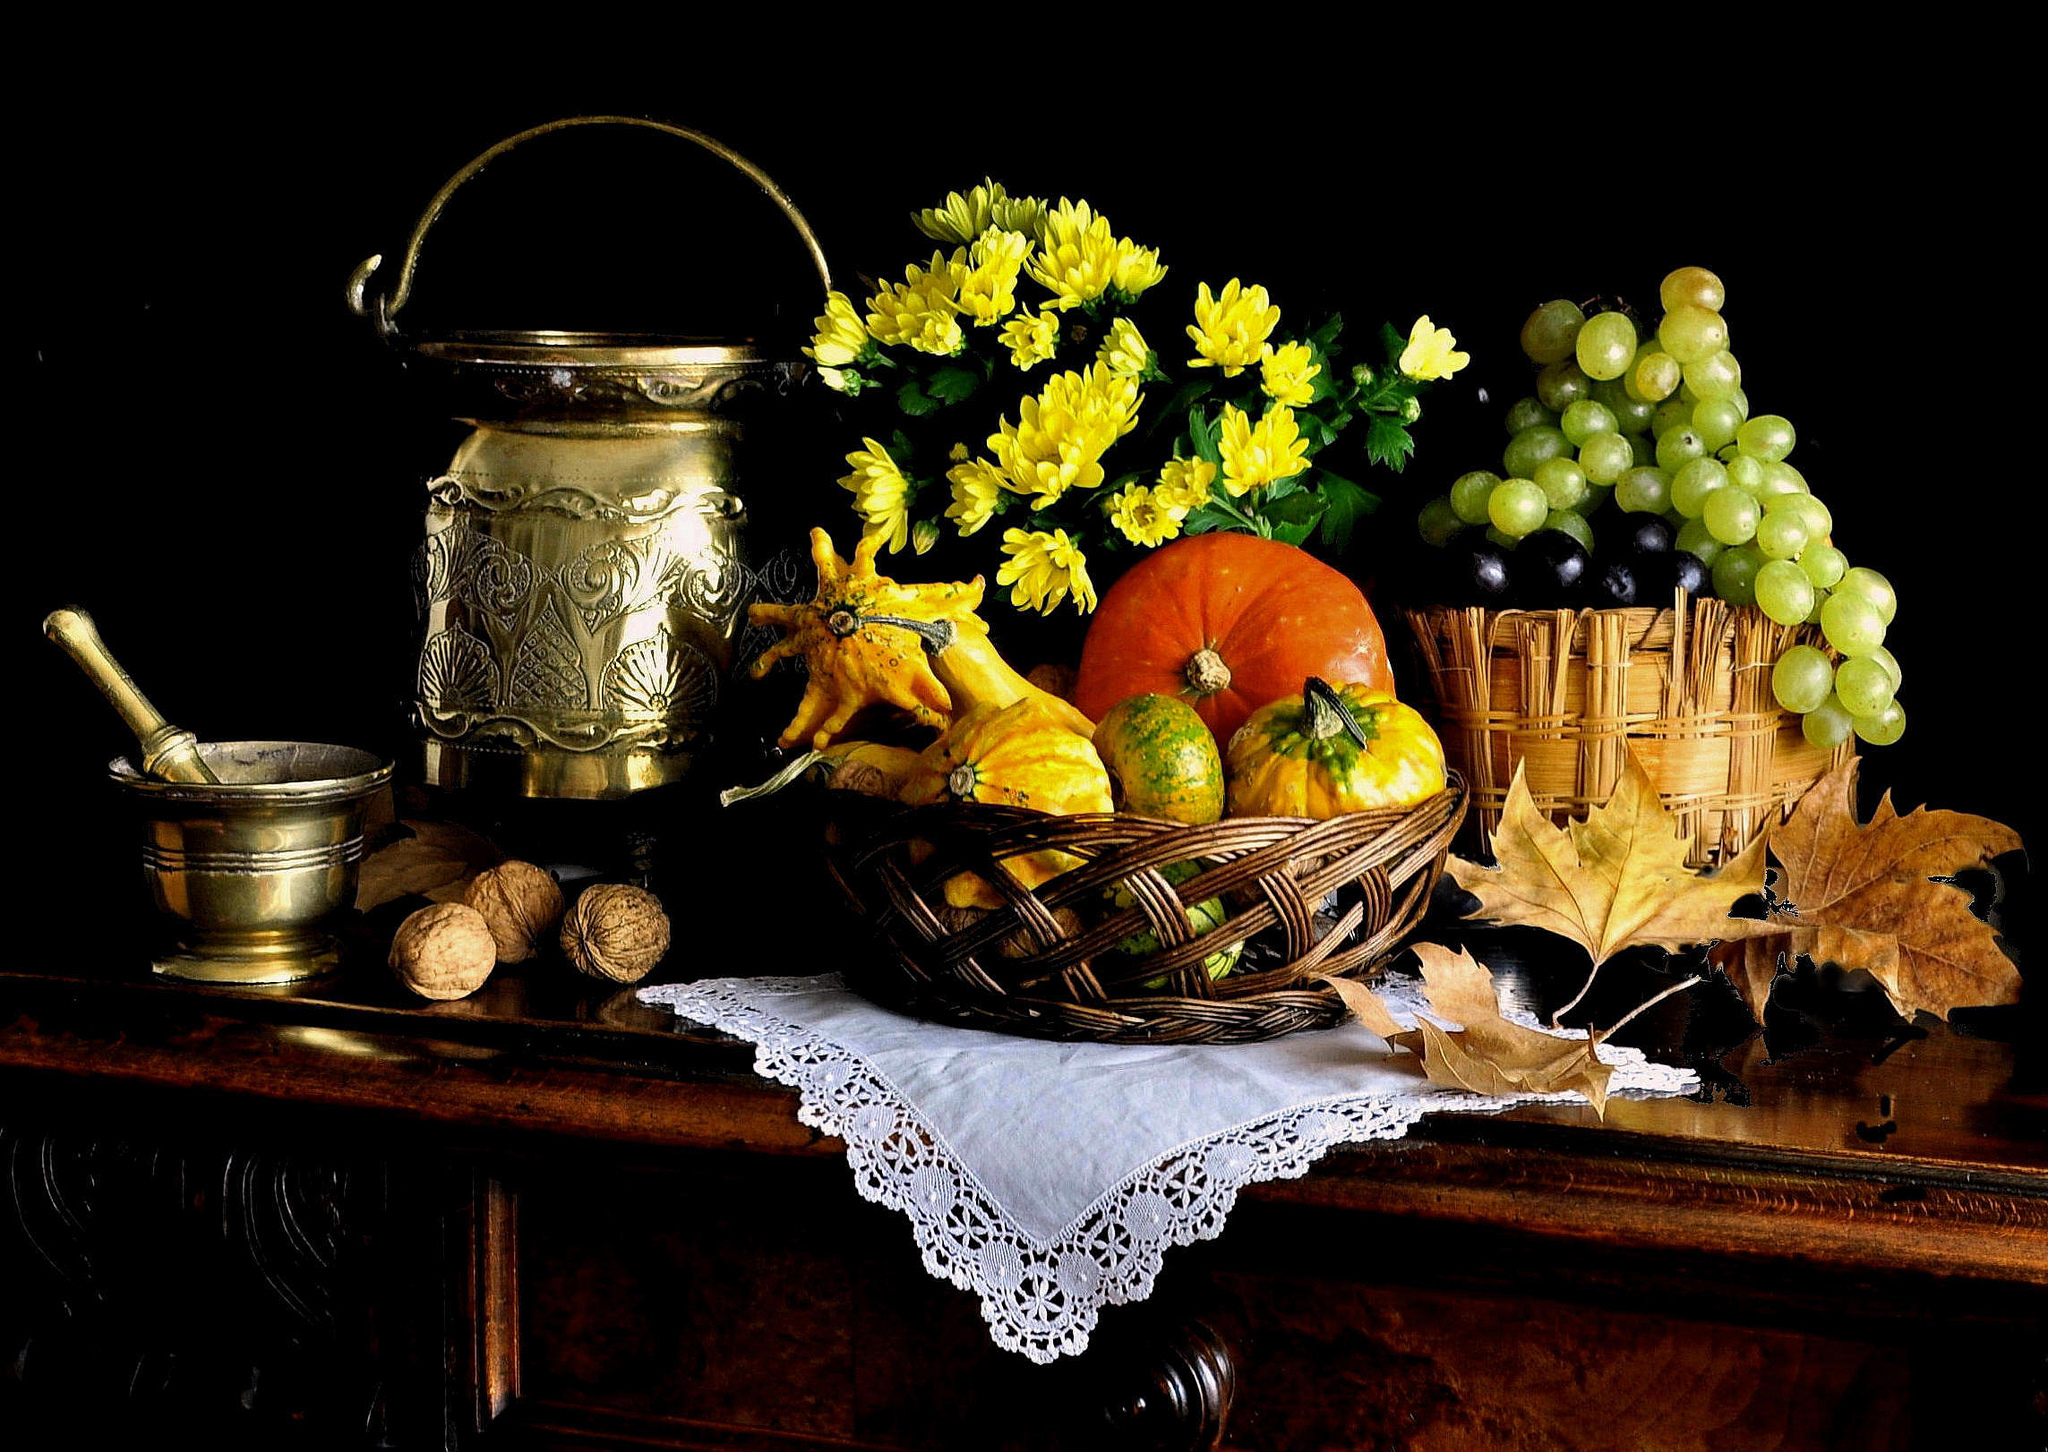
<point>168,753</point>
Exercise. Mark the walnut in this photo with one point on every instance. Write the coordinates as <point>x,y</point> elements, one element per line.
<point>615,932</point>
<point>520,902</point>
<point>444,951</point>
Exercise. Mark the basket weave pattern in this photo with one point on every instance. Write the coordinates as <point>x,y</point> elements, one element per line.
<point>1024,968</point>
<point>1566,693</point>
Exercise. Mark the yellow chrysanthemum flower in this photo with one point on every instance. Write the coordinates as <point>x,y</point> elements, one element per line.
<point>962,219</point>
<point>1019,214</point>
<point>976,488</point>
<point>1143,516</point>
<point>923,535</point>
<point>1429,353</point>
<point>959,454</point>
<point>881,495</point>
<point>1060,437</point>
<point>1125,351</point>
<point>1076,260</point>
<point>1258,454</point>
<point>1230,330</point>
<point>1043,569</point>
<point>1032,338</point>
<point>987,283</point>
<point>840,335</point>
<point>919,311</point>
<point>1184,484</point>
<point>1137,268</point>
<point>1287,373</point>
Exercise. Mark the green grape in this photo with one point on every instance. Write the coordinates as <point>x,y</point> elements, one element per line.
<point>1655,376</point>
<point>1732,516</point>
<point>1439,521</point>
<point>1586,418</point>
<point>1563,384</point>
<point>1672,413</point>
<point>1678,447</point>
<point>1735,571</point>
<point>1643,491</point>
<point>1686,395</point>
<point>1690,334</point>
<point>1562,481</point>
<point>1884,728</point>
<point>1782,590</point>
<point>1694,482</point>
<point>1820,523</point>
<point>1606,457</point>
<point>1607,345</point>
<point>1823,564</point>
<point>1716,376</point>
<point>1469,493</point>
<point>1782,536</point>
<point>1741,401</point>
<point>1529,413</point>
<point>1745,472</point>
<point>1851,623</point>
<point>1552,331</point>
<point>1692,287</point>
<point>1890,663</point>
<point>1634,414</point>
<point>1827,725</point>
<point>1863,685</point>
<point>1596,496</point>
<point>1531,447</point>
<point>1873,587</point>
<point>1783,478</point>
<point>1820,600</point>
<point>1767,436</point>
<point>1567,521</point>
<point>1695,539</point>
<point>1505,541</point>
<point>1518,507</point>
<point>1717,421</point>
<point>1802,678</point>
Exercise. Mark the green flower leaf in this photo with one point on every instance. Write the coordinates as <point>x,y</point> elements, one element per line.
<point>952,385</point>
<point>1388,442</point>
<point>1294,534</point>
<point>913,400</point>
<point>1324,336</point>
<point>1301,507</point>
<point>1345,503</point>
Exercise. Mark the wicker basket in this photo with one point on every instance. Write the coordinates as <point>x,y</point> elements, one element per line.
<point>1565,692</point>
<point>1025,969</point>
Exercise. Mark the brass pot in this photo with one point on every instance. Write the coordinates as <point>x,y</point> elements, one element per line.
<point>254,866</point>
<point>584,575</point>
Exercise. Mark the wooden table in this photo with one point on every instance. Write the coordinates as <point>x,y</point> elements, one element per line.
<point>545,1216</point>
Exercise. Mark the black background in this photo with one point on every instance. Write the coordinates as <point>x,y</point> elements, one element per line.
<point>224,465</point>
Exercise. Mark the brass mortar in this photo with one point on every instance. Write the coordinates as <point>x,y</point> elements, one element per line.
<point>255,867</point>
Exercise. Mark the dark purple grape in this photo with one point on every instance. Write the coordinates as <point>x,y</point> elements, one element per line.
<point>1557,567</point>
<point>1658,575</point>
<point>1688,572</point>
<point>1649,535</point>
<point>1479,575</point>
<point>1614,586</point>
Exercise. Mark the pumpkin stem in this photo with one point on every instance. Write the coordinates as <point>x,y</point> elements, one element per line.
<point>1327,714</point>
<point>935,634</point>
<point>1207,672</point>
<point>960,781</point>
<point>842,622</point>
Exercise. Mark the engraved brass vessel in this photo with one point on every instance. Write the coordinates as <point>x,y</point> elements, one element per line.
<point>584,575</point>
<point>255,866</point>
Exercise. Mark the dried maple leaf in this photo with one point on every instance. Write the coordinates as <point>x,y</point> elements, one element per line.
<point>1865,895</point>
<point>436,861</point>
<point>1488,1054</point>
<point>1613,881</point>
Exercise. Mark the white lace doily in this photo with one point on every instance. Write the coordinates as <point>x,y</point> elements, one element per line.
<point>1049,1178</point>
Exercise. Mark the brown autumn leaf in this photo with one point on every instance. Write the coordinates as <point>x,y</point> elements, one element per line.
<point>1616,880</point>
<point>1487,1054</point>
<point>437,861</point>
<point>1863,895</point>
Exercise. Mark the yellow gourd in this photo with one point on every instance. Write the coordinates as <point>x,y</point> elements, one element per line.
<point>1016,755</point>
<point>1332,750</point>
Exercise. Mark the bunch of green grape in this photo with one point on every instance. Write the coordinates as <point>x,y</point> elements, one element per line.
<point>1660,424</point>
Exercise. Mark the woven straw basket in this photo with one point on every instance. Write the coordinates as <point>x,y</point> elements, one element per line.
<point>1028,968</point>
<point>1565,693</point>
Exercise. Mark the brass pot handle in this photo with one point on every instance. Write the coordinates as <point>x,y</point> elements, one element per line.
<point>382,308</point>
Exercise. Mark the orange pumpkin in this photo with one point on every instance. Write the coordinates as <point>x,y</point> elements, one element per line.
<point>1228,622</point>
